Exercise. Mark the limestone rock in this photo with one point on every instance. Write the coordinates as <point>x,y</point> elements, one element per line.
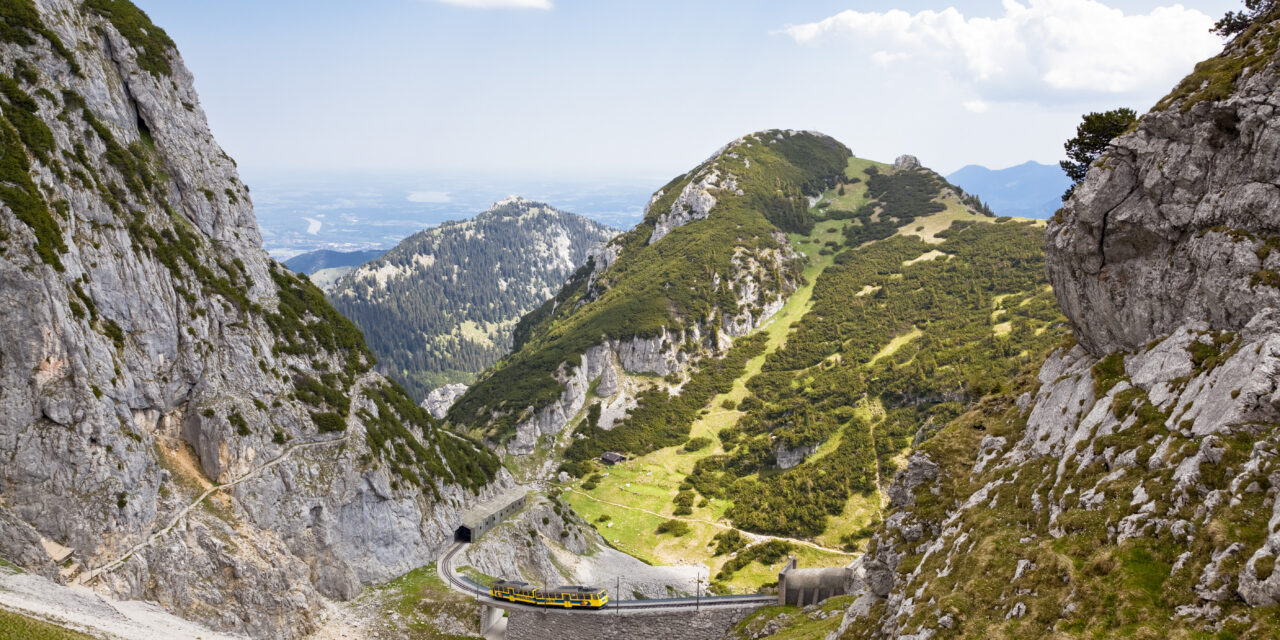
<point>440,399</point>
<point>144,357</point>
<point>790,457</point>
<point>1171,224</point>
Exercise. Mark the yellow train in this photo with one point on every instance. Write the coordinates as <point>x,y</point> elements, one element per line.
<point>566,596</point>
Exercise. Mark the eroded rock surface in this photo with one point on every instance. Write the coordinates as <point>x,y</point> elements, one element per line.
<point>150,351</point>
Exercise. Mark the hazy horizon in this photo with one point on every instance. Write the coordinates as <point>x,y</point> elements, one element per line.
<point>606,90</point>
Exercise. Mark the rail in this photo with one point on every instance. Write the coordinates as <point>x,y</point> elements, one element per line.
<point>470,587</point>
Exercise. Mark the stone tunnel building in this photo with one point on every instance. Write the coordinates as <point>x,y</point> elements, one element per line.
<point>802,587</point>
<point>485,516</point>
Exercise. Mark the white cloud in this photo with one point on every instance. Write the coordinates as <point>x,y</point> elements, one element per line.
<point>434,197</point>
<point>501,4</point>
<point>1041,51</point>
<point>976,106</point>
<point>886,58</point>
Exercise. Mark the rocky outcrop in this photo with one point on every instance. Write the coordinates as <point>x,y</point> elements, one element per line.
<point>441,398</point>
<point>1177,220</point>
<point>547,543</point>
<point>694,203</point>
<point>1152,445</point>
<point>183,420</point>
<point>906,163</point>
<point>788,457</point>
<point>602,365</point>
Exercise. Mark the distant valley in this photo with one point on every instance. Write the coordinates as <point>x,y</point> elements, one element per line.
<point>298,214</point>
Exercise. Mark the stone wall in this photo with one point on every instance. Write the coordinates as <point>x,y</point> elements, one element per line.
<point>593,625</point>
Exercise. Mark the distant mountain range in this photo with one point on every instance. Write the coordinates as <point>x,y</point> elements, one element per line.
<point>313,261</point>
<point>441,306</point>
<point>324,267</point>
<point>1029,190</point>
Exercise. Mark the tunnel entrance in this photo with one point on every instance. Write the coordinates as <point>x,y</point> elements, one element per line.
<point>463,534</point>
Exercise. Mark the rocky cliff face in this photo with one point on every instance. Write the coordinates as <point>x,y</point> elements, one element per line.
<point>182,419</point>
<point>1179,218</point>
<point>441,398</point>
<point>1131,484</point>
<point>549,544</point>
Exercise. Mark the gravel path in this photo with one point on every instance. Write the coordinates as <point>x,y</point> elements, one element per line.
<point>82,609</point>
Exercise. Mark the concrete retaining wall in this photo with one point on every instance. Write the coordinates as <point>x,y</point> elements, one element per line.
<point>667,625</point>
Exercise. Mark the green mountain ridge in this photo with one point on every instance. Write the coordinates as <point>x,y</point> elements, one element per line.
<point>914,303</point>
<point>721,259</point>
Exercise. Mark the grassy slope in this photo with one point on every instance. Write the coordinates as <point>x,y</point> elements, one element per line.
<point>650,482</point>
<point>414,606</point>
<point>665,285</point>
<point>17,626</point>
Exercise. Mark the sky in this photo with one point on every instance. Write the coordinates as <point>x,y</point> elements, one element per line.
<point>647,89</point>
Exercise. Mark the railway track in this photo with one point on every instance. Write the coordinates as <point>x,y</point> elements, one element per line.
<point>466,585</point>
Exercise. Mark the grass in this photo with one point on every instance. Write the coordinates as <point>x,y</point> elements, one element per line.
<point>1215,78</point>
<point>928,227</point>
<point>17,626</point>
<point>802,625</point>
<point>412,605</point>
<point>482,579</point>
<point>896,343</point>
<point>650,482</point>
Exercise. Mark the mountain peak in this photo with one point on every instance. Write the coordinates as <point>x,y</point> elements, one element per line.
<point>510,200</point>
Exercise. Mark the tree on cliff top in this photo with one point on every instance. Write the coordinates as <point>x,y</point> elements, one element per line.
<point>1093,134</point>
<point>1237,21</point>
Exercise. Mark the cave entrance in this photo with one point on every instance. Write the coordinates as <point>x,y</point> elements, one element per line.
<point>463,534</point>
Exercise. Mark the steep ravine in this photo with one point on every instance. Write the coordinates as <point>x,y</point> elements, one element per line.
<point>151,352</point>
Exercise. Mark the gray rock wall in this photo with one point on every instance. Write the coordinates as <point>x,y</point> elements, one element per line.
<point>525,624</point>
<point>1174,222</point>
<point>120,371</point>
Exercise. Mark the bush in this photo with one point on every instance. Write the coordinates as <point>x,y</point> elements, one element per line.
<point>676,528</point>
<point>728,541</point>
<point>697,444</point>
<point>238,421</point>
<point>766,553</point>
<point>328,422</point>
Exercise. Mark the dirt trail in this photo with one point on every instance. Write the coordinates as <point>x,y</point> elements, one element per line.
<point>89,576</point>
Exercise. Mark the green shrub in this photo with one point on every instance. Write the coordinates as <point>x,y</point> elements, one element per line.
<point>728,541</point>
<point>238,421</point>
<point>151,42</point>
<point>765,553</point>
<point>697,444</point>
<point>676,528</point>
<point>328,422</point>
